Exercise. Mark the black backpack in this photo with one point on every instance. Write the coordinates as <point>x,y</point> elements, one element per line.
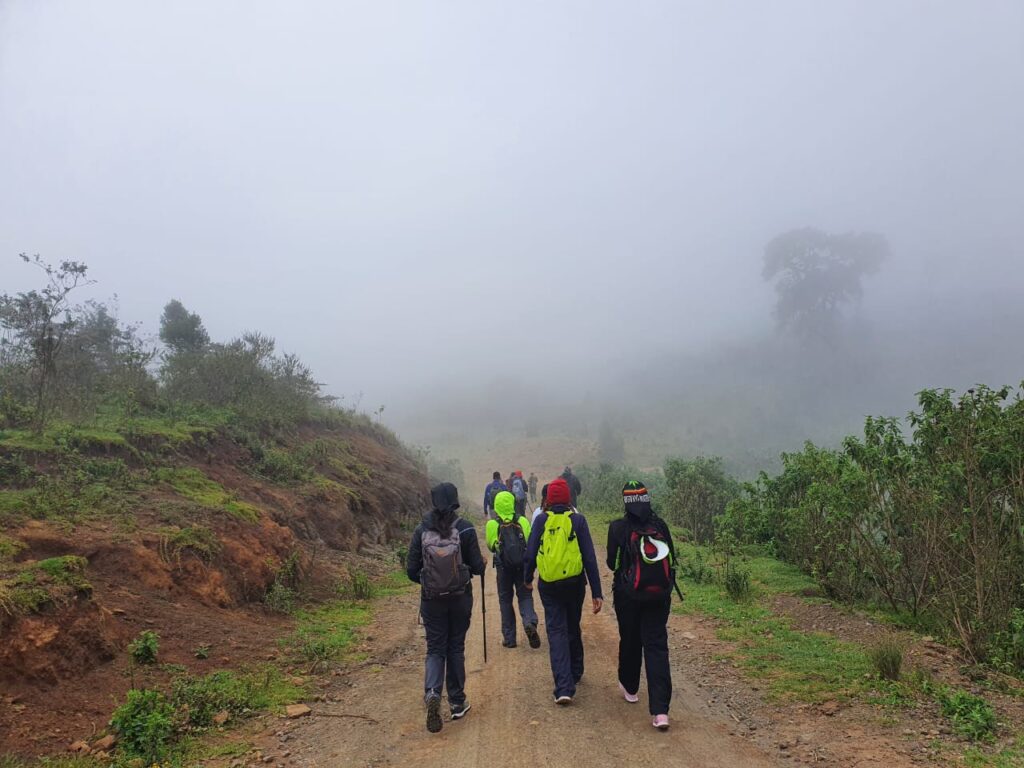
<point>642,577</point>
<point>511,543</point>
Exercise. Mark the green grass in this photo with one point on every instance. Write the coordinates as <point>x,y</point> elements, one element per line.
<point>238,693</point>
<point>33,586</point>
<point>794,665</point>
<point>327,633</point>
<point>1007,757</point>
<point>193,485</point>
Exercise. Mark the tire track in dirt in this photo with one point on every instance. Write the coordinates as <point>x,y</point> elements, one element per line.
<point>513,719</point>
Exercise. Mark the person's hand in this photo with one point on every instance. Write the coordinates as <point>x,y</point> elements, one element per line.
<point>528,585</point>
<point>598,602</point>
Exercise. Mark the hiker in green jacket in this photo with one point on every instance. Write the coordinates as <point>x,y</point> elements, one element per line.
<point>506,538</point>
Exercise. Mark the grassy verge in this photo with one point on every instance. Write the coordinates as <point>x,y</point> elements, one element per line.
<point>814,667</point>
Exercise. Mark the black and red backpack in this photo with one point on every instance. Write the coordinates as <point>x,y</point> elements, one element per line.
<point>647,571</point>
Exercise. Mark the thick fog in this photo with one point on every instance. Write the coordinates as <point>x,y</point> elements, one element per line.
<point>494,216</point>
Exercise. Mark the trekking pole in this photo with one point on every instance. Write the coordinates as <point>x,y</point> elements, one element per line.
<point>483,609</point>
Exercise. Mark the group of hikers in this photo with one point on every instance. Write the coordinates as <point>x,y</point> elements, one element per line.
<point>556,546</point>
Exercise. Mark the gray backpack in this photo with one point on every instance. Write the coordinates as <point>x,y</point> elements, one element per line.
<point>443,572</point>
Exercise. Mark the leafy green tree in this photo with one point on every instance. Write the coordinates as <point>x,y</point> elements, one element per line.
<point>816,274</point>
<point>36,326</point>
<point>182,331</point>
<point>699,491</point>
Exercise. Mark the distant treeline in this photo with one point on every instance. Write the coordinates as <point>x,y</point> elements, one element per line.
<point>62,362</point>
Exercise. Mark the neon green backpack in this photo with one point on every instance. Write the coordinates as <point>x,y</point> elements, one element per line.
<point>559,555</point>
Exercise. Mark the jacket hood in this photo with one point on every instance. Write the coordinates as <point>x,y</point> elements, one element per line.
<point>445,498</point>
<point>505,506</point>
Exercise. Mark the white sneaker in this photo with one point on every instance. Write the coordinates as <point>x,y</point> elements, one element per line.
<point>563,700</point>
<point>632,698</point>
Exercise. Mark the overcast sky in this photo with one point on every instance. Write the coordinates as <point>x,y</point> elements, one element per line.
<point>399,191</point>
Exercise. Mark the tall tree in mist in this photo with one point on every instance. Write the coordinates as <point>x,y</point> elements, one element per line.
<point>181,330</point>
<point>816,274</point>
<point>611,448</point>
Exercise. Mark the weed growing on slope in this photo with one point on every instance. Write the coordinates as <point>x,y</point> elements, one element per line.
<point>144,648</point>
<point>193,485</point>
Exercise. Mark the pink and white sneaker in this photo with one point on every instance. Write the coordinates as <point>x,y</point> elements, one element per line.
<point>660,722</point>
<point>632,698</point>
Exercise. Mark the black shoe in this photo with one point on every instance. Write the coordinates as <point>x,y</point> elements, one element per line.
<point>532,635</point>
<point>507,644</point>
<point>459,710</point>
<point>434,723</point>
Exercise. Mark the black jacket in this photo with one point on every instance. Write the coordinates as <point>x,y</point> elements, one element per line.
<point>442,522</point>
<point>618,540</point>
<point>575,486</point>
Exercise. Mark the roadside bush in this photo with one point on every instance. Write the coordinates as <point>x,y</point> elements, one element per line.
<point>887,659</point>
<point>736,580</point>
<point>145,725</point>
<point>1006,652</point>
<point>929,524</point>
<point>144,648</point>
<point>356,586</point>
<point>280,598</point>
<point>697,569</point>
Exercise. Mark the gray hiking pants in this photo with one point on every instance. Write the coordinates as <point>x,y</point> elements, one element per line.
<point>511,580</point>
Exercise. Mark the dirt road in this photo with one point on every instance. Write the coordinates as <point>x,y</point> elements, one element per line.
<point>513,720</point>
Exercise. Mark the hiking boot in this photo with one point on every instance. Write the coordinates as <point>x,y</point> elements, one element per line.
<point>508,643</point>
<point>434,723</point>
<point>459,710</point>
<point>532,635</point>
<point>632,698</point>
<point>660,722</point>
<point>563,700</point>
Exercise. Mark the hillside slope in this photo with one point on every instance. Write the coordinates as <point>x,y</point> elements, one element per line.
<point>186,529</point>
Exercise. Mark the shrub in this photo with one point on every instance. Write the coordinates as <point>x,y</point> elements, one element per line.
<point>145,725</point>
<point>737,581</point>
<point>202,652</point>
<point>281,466</point>
<point>970,715</point>
<point>144,648</point>
<point>697,569</point>
<point>356,586</point>
<point>1006,652</point>
<point>887,658</point>
<point>280,598</point>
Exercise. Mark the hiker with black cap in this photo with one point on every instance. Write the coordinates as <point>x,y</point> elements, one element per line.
<point>561,550</point>
<point>444,555</point>
<point>641,552</point>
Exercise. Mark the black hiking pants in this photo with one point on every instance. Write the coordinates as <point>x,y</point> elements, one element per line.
<point>643,636</point>
<point>510,580</point>
<point>446,621</point>
<point>563,609</point>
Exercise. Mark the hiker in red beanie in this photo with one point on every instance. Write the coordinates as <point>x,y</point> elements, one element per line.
<point>561,549</point>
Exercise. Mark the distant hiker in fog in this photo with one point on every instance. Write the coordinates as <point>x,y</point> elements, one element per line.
<point>506,538</point>
<point>575,487</point>
<point>493,488</point>
<point>533,488</point>
<point>519,491</point>
<point>642,555</point>
<point>543,503</point>
<point>444,555</point>
<point>560,549</point>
